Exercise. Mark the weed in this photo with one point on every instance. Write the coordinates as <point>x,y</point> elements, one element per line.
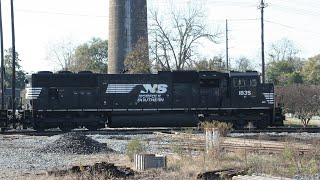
<point>223,127</point>
<point>81,166</point>
<point>134,147</point>
<point>189,130</point>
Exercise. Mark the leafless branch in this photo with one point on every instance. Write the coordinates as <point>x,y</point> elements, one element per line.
<point>178,37</point>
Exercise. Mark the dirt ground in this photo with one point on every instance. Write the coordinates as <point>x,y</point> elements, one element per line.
<point>185,160</point>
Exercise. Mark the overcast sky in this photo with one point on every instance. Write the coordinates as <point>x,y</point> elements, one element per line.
<point>39,23</point>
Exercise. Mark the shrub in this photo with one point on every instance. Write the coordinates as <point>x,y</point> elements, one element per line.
<point>223,127</point>
<point>134,147</point>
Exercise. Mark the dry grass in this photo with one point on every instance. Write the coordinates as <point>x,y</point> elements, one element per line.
<point>184,165</point>
<point>286,164</point>
<point>223,127</point>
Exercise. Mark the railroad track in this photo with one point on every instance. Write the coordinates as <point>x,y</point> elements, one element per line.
<point>280,129</point>
<point>106,131</point>
<point>232,144</point>
<point>112,131</point>
<point>265,148</point>
<point>187,141</point>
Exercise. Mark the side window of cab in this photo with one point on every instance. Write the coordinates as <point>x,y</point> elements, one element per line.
<point>253,82</point>
<point>239,82</point>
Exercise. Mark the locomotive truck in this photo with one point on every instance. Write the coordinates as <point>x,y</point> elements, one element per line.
<point>167,99</point>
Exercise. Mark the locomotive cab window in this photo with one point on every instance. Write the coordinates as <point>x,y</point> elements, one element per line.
<point>235,82</point>
<point>242,83</point>
<point>253,82</point>
<point>239,82</point>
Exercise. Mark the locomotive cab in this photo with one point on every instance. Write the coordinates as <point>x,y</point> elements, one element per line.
<point>244,89</point>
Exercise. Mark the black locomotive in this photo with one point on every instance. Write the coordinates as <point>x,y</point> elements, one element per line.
<point>167,99</point>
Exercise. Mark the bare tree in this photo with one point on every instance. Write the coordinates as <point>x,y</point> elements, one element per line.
<point>214,64</point>
<point>283,49</point>
<point>301,100</point>
<point>243,64</point>
<point>61,53</point>
<point>175,40</point>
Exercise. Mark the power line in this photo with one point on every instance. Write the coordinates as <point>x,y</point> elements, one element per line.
<point>60,13</point>
<point>223,20</point>
<point>211,2</point>
<point>309,3</point>
<point>280,24</point>
<point>295,10</point>
<point>292,27</point>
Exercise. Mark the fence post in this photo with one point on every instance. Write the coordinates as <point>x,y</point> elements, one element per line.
<point>212,139</point>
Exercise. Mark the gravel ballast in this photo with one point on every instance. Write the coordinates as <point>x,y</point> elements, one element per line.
<point>39,154</point>
<point>75,143</point>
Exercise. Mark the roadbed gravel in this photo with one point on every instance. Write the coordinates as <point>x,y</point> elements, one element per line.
<point>31,155</point>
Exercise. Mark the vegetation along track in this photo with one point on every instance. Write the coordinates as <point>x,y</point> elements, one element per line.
<point>280,129</point>
<point>266,144</point>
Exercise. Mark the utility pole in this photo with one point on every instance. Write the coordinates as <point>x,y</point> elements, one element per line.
<point>2,59</point>
<point>261,7</point>
<point>13,65</point>
<point>227,47</point>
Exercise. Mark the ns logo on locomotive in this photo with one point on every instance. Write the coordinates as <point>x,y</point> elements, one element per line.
<point>167,99</point>
<point>156,88</point>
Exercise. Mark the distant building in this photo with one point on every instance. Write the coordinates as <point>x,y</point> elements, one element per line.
<point>127,24</point>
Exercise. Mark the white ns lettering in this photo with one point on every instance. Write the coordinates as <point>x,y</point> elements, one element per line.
<point>156,88</point>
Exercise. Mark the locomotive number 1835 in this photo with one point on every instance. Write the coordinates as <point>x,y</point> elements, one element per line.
<point>244,93</point>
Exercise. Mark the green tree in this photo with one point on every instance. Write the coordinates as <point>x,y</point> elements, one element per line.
<point>284,65</point>
<point>295,78</point>
<point>284,72</point>
<point>92,55</point>
<point>20,75</point>
<point>137,61</point>
<point>311,70</point>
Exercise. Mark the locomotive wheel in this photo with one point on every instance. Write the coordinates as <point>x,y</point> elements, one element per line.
<point>92,128</point>
<point>262,123</point>
<point>65,128</point>
<point>39,129</point>
<point>236,125</point>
